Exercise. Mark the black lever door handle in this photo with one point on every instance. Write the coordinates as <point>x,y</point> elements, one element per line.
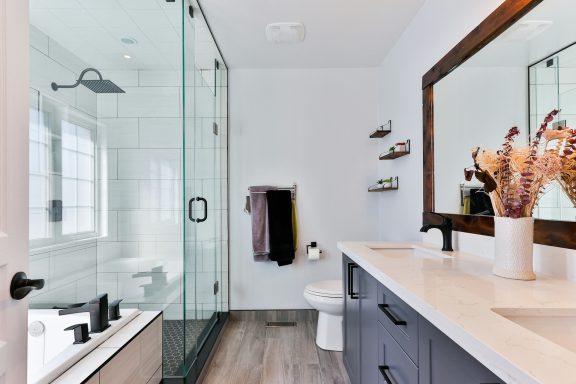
<point>21,286</point>
<point>205,209</point>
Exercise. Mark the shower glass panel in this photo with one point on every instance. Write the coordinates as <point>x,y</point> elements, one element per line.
<point>129,190</point>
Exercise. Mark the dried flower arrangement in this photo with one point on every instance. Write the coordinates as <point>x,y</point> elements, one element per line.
<point>516,177</point>
<point>566,147</point>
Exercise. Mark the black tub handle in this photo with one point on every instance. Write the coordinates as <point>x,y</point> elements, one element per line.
<point>389,315</point>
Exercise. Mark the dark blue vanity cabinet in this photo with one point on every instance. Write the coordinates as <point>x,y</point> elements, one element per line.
<point>351,326</point>
<point>387,341</point>
<point>443,361</point>
<point>360,320</point>
<point>368,328</point>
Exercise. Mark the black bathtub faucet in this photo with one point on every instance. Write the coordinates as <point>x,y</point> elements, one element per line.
<point>98,309</point>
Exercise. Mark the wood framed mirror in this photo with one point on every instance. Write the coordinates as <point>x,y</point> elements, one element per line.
<point>557,233</point>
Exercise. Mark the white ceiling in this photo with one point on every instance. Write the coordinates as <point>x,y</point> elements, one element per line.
<point>352,33</point>
<point>92,30</point>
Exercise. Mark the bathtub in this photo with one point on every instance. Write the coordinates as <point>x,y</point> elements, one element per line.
<point>51,350</point>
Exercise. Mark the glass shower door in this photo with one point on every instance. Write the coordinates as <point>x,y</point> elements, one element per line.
<point>201,193</point>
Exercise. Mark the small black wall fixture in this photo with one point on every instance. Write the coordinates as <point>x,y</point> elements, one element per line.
<point>191,11</point>
<point>21,286</point>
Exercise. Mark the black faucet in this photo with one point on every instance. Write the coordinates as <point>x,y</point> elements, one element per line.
<point>446,228</point>
<point>98,308</point>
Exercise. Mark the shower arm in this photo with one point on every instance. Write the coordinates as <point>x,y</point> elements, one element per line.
<point>80,78</point>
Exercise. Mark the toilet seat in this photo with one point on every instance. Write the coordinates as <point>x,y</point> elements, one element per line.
<point>326,288</point>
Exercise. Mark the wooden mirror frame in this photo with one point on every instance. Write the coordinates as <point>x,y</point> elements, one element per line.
<point>547,232</point>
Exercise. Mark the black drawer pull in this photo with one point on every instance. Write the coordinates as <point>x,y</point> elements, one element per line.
<point>393,319</point>
<point>383,369</point>
<point>351,293</point>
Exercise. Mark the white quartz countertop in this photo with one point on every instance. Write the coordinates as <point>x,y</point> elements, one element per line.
<point>462,298</point>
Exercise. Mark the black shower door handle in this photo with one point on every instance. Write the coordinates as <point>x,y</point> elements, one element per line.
<point>205,210</point>
<point>191,204</point>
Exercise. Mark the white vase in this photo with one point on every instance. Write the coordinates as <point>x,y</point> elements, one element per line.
<point>514,239</point>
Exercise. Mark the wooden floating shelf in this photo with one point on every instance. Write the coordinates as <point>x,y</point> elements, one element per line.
<point>383,189</point>
<point>379,134</point>
<point>382,130</point>
<point>394,155</point>
<point>394,186</point>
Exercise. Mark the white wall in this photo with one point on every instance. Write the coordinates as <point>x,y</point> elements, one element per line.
<point>427,39</point>
<point>310,127</point>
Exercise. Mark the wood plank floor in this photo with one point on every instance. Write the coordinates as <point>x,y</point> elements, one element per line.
<point>251,353</point>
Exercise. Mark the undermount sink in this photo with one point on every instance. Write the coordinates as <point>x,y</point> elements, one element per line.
<point>411,252</point>
<point>555,324</point>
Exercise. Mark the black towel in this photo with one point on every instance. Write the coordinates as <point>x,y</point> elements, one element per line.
<point>280,226</point>
<point>480,203</point>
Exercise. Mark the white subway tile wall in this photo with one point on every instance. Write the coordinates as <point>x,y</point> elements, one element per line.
<point>139,254</point>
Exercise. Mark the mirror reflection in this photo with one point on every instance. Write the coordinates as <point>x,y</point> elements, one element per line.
<point>515,81</point>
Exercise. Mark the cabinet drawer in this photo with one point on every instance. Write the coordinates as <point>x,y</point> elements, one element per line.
<point>394,364</point>
<point>400,320</point>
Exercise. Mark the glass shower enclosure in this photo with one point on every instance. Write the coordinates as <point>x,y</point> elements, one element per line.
<point>128,185</point>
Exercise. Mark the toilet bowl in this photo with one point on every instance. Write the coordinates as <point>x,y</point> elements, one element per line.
<point>327,297</point>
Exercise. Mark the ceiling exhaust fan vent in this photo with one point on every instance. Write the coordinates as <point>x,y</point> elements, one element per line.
<point>285,32</point>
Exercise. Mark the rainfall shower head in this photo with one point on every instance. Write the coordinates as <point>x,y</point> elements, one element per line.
<point>97,86</point>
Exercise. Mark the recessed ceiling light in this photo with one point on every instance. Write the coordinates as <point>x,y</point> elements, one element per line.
<point>285,32</point>
<point>129,40</point>
<point>127,57</point>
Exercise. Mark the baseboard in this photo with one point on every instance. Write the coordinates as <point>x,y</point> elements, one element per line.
<point>275,315</point>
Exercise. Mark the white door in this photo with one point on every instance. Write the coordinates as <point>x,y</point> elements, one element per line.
<point>13,185</point>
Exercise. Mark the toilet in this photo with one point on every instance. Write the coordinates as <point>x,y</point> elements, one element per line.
<point>327,297</point>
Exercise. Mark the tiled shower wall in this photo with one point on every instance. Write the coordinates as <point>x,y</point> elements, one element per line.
<point>138,254</point>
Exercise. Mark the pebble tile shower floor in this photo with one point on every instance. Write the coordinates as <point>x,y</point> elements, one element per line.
<point>173,349</point>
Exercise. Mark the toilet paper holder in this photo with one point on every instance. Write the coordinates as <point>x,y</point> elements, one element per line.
<point>312,245</point>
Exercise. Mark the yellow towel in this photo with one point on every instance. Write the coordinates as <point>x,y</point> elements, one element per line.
<point>466,206</point>
<point>294,225</point>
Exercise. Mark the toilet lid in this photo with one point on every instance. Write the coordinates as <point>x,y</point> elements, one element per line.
<point>326,288</point>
